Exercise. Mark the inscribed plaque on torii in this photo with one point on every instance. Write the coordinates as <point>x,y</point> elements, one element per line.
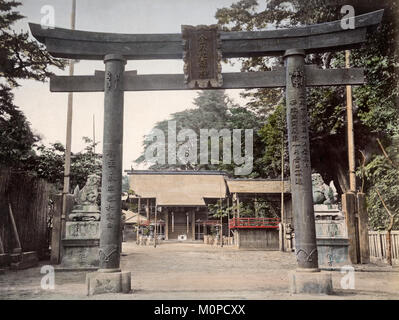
<point>202,56</point>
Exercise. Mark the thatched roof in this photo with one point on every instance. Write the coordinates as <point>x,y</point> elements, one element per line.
<point>178,188</point>
<point>133,217</point>
<point>257,186</point>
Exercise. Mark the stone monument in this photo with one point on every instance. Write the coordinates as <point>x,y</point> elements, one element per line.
<point>322,193</point>
<point>86,208</point>
<point>331,232</point>
<point>82,229</point>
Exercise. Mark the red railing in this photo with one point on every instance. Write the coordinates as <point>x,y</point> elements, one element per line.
<point>242,223</point>
<point>144,223</point>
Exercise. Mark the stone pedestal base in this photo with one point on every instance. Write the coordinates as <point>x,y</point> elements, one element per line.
<point>108,282</point>
<point>333,252</point>
<point>80,254</point>
<point>310,282</point>
<point>81,246</point>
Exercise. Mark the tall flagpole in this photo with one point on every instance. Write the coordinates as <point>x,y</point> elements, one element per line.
<point>351,139</point>
<point>69,126</point>
<point>94,134</point>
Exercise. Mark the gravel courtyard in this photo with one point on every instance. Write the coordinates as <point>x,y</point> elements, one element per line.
<point>197,271</point>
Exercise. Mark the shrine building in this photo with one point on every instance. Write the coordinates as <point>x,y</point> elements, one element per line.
<point>176,203</point>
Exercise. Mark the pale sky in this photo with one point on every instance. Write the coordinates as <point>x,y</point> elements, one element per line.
<point>47,111</point>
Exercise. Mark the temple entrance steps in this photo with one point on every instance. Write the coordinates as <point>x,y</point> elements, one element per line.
<point>175,241</point>
<point>179,229</point>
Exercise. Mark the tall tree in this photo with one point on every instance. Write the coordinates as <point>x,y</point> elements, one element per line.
<point>214,110</point>
<point>381,174</point>
<point>375,103</point>
<point>47,162</point>
<point>20,58</point>
<point>16,137</point>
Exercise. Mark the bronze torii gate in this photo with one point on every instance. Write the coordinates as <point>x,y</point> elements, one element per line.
<point>293,44</point>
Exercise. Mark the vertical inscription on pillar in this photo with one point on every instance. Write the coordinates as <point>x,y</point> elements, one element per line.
<point>202,56</point>
<point>112,188</point>
<point>299,153</point>
<point>110,200</point>
<point>112,81</point>
<point>297,78</point>
<point>298,123</point>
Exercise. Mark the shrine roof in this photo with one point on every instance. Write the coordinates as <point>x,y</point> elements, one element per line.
<point>258,186</point>
<point>178,188</point>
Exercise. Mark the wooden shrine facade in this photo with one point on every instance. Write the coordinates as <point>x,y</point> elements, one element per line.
<point>176,202</point>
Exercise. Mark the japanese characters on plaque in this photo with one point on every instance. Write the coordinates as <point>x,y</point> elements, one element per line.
<point>202,56</point>
<point>298,128</point>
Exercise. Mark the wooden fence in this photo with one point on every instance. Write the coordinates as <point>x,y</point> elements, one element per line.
<point>29,198</point>
<point>378,246</point>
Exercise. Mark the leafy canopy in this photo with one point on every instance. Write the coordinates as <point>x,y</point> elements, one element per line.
<point>20,59</point>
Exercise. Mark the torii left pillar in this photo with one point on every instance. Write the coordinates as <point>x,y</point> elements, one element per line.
<point>110,278</point>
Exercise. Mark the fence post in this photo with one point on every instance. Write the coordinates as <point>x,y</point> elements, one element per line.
<point>55,257</point>
<point>349,206</point>
<point>59,224</point>
<point>381,245</point>
<point>281,235</point>
<point>363,229</point>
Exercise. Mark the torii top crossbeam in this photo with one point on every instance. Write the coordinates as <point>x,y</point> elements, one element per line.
<point>72,44</point>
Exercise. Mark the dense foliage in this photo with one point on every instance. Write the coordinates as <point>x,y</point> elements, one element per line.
<point>382,176</point>
<point>48,163</point>
<point>375,103</point>
<point>20,149</point>
<point>214,111</point>
<point>20,58</point>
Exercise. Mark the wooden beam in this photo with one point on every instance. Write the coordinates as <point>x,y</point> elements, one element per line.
<point>56,230</point>
<point>247,80</point>
<point>64,43</point>
<point>193,225</point>
<point>18,248</point>
<point>166,224</point>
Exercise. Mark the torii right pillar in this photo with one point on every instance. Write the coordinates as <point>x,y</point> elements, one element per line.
<point>307,278</point>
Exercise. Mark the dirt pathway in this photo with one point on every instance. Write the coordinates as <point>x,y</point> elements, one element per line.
<point>197,271</point>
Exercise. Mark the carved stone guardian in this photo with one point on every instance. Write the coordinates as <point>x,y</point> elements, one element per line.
<point>86,208</point>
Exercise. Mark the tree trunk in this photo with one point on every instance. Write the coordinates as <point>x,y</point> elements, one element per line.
<point>340,168</point>
<point>342,177</point>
